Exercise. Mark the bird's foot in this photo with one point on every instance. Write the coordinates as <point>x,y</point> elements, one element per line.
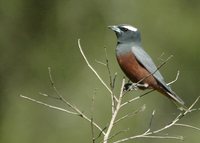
<point>134,86</point>
<point>128,86</point>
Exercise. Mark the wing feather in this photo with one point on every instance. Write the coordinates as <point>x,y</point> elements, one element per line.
<point>145,60</point>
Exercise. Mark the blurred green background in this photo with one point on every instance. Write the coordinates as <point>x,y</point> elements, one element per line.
<point>36,34</point>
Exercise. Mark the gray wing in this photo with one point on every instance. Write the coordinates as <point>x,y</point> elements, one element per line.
<point>145,60</point>
<point>148,63</point>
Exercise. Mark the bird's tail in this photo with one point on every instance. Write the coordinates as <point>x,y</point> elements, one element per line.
<point>177,101</point>
<point>172,96</point>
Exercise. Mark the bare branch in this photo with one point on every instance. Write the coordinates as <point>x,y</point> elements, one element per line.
<point>93,70</point>
<point>144,136</point>
<point>177,75</point>
<point>58,94</point>
<point>189,126</point>
<point>78,112</point>
<point>99,62</point>
<point>110,126</point>
<point>181,115</point>
<point>49,96</point>
<point>114,135</point>
<point>111,82</point>
<point>92,117</point>
<point>160,57</point>
<point>151,120</point>
<point>114,79</point>
<point>151,134</point>
<point>99,135</point>
<point>108,67</point>
<point>48,105</point>
<point>141,109</point>
<point>136,98</point>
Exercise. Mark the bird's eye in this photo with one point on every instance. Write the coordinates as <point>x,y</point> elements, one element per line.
<point>124,29</point>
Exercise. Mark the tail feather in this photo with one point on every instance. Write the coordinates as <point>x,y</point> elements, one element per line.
<point>173,97</point>
<point>177,101</point>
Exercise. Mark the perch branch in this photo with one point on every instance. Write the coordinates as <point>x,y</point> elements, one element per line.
<point>114,115</point>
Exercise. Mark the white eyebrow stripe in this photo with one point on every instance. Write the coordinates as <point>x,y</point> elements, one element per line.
<point>130,28</point>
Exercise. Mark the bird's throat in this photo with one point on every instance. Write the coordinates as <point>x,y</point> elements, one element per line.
<point>123,49</point>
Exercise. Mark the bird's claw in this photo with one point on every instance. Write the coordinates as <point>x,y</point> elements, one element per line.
<point>134,86</point>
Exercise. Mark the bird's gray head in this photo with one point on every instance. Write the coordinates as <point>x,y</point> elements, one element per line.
<point>126,33</point>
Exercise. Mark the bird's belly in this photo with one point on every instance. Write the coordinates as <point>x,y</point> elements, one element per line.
<point>134,70</point>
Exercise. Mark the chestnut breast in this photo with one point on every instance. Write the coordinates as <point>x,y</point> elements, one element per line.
<point>134,70</point>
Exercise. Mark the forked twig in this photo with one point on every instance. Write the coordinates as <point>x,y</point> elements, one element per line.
<point>114,115</point>
<point>136,98</point>
<point>112,82</point>
<point>151,134</point>
<point>141,109</point>
<point>61,98</point>
<point>176,78</point>
<point>93,70</point>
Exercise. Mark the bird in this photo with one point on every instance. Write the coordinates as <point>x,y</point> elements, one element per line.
<point>137,65</point>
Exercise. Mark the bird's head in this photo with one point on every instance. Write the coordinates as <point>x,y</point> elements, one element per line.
<point>126,33</point>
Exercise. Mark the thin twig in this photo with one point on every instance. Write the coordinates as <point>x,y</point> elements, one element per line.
<point>177,75</point>
<point>61,98</point>
<point>181,115</point>
<point>48,105</point>
<point>189,126</point>
<point>195,109</point>
<point>92,117</point>
<point>119,132</point>
<point>160,57</point>
<point>144,136</point>
<point>114,79</point>
<point>99,62</point>
<point>108,67</point>
<point>49,96</point>
<point>151,120</point>
<point>57,92</point>
<point>69,104</point>
<point>111,82</point>
<point>99,135</point>
<point>141,109</point>
<point>149,134</point>
<point>130,114</point>
<point>93,70</point>
<point>136,98</point>
<point>78,112</point>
